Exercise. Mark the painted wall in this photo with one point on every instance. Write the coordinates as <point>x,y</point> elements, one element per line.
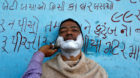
<point>111,31</point>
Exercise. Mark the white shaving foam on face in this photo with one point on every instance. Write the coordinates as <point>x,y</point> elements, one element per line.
<point>70,47</point>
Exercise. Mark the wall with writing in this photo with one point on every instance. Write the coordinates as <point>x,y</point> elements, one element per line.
<point>111,30</point>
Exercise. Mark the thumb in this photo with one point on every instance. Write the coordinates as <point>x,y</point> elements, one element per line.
<point>52,51</point>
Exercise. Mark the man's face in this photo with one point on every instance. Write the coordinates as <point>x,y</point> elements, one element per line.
<point>69,30</point>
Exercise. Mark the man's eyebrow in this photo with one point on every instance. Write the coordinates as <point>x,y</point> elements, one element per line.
<point>74,27</point>
<point>63,27</point>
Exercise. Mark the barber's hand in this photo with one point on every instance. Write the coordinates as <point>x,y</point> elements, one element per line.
<point>47,50</point>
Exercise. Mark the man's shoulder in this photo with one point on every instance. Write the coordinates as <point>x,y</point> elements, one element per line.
<point>89,62</point>
<point>92,64</point>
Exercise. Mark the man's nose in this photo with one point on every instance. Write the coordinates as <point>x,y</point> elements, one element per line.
<point>69,32</point>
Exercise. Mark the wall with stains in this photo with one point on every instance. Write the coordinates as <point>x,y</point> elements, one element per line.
<point>111,31</point>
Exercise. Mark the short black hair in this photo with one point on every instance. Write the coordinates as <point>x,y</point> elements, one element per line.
<point>70,19</point>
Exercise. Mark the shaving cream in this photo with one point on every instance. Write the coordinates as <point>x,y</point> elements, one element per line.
<point>70,47</point>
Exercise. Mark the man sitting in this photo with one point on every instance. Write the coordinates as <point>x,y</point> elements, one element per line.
<point>70,62</point>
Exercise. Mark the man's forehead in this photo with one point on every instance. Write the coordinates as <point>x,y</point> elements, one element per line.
<point>69,27</point>
<point>70,24</point>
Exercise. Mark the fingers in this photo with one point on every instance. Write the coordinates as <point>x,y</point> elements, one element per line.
<point>52,51</point>
<point>55,50</point>
<point>48,50</point>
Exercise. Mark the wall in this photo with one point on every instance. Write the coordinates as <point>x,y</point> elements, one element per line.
<point>111,31</point>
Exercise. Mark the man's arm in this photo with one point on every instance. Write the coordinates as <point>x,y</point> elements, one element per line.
<point>34,69</point>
